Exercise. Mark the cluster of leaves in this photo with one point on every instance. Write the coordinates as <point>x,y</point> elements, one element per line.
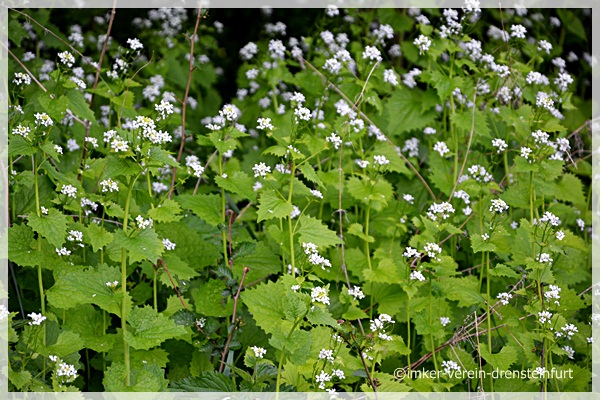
<point>401,189</point>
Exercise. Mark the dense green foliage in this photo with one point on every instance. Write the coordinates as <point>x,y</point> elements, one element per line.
<point>398,190</point>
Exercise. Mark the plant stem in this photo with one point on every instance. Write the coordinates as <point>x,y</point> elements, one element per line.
<point>487,309</point>
<point>223,216</point>
<point>154,291</point>
<point>281,357</point>
<point>290,231</point>
<point>124,284</point>
<point>435,363</point>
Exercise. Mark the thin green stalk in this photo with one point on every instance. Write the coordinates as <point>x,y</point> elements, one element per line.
<point>124,284</point>
<point>223,215</point>
<point>154,291</point>
<point>290,231</point>
<point>487,309</point>
<point>368,254</point>
<point>435,363</point>
<point>39,248</point>
<point>281,357</point>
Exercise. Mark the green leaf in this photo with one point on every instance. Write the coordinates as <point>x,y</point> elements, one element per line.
<point>211,381</point>
<point>67,343</point>
<point>262,261</point>
<point>239,183</point>
<point>209,300</point>
<point>464,290</point>
<point>375,193</point>
<point>150,378</point>
<point>17,33</point>
<point>22,247</point>
<point>403,111</point>
<point>386,272</point>
<point>141,245</point>
<point>178,268</point>
<point>73,287</point>
<point>97,236</point>
<point>357,230</point>
<point>87,322</point>
<point>464,120</point>
<point>294,306</point>
<point>503,270</point>
<point>19,379</point>
<point>312,230</point>
<point>206,206</point>
<point>310,174</point>
<point>124,104</point>
<point>150,328</point>
<point>168,211</point>
<point>52,226</point>
<point>80,106</point>
<point>162,157</point>
<point>320,316</point>
<point>272,206</point>
<point>19,146</point>
<point>478,244</point>
<point>264,303</point>
<point>502,360</point>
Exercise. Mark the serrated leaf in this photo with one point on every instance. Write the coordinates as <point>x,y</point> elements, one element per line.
<point>150,328</point>
<point>209,300</point>
<point>357,230</point>
<point>206,382</point>
<point>312,230</point>
<point>501,360</point>
<point>80,106</point>
<point>294,306</point>
<point>19,146</point>
<point>479,245</point>
<point>503,270</point>
<point>264,302</point>
<point>465,119</point>
<point>178,269</point>
<point>464,290</point>
<point>87,322</point>
<point>67,343</point>
<point>403,111</point>
<point>206,206</point>
<point>162,156</point>
<point>22,246</point>
<point>310,174</point>
<point>87,287</point>
<point>19,379</point>
<point>374,193</point>
<point>168,211</point>
<point>97,236</point>
<point>149,378</point>
<point>52,226</point>
<point>321,316</point>
<point>141,245</point>
<point>272,206</point>
<point>239,183</point>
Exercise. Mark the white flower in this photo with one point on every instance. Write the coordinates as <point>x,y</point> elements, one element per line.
<point>390,77</point>
<point>442,209</point>
<point>302,113</point>
<point>248,51</point>
<point>21,130</point>
<point>319,294</point>
<point>69,191</point>
<point>553,292</point>
<point>168,244</point>
<point>143,223</point>
<point>580,224</point>
<point>410,252</point>
<point>322,378</point>
<point>371,53</point>
<point>550,218</point>
<point>108,185</point>
<point>230,112</point>
<point>43,119</point>
<point>560,235</point>
<point>264,124</point>
<point>316,193</point>
<point>75,236</point>
<point>498,206</point>
<point>417,275</point>
<point>112,285</point>
<point>259,352</point>
<point>380,160</point>
<point>295,212</point>
<point>164,108</point>
<point>21,78</point>
<point>333,66</point>
<point>449,366</point>
<point>335,140</point>
<point>544,258</point>
<point>408,198</point>
<point>276,49</point>
<point>356,292</point>
<point>332,11</point>
<point>4,313</point>
<point>480,174</point>
<point>135,44</point>
<point>72,145</point>
<point>66,58</point>
<point>362,163</point>
<point>504,297</point>
<point>325,354</point>
<point>261,169</point>
<point>570,351</point>
<point>423,43</point>
<point>67,372</point>
<point>37,319</point>
<point>500,144</point>
<point>518,31</point>
<point>441,148</point>
<point>44,210</point>
<point>444,321</point>
<point>544,45</point>
<point>429,131</point>
<point>432,250</point>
